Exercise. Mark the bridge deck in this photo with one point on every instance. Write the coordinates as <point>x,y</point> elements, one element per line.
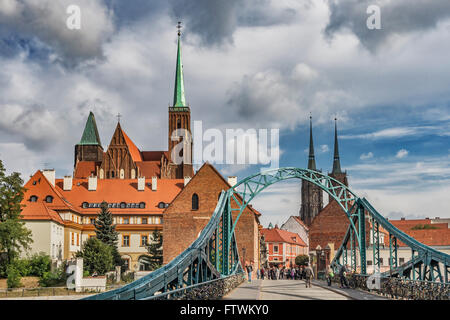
<point>294,290</point>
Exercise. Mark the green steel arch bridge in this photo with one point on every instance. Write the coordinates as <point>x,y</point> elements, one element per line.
<point>214,254</point>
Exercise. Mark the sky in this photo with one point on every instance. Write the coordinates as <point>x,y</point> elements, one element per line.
<point>247,64</point>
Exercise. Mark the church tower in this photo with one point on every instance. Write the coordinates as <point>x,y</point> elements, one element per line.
<point>312,196</point>
<point>180,159</point>
<point>337,173</point>
<point>89,149</point>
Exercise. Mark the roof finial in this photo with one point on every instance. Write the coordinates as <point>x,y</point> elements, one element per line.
<point>336,159</point>
<point>179,28</point>
<point>118,117</point>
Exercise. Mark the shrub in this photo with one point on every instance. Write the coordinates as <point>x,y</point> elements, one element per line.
<point>97,256</point>
<point>14,277</point>
<point>23,266</point>
<point>301,260</point>
<point>40,264</point>
<point>54,278</point>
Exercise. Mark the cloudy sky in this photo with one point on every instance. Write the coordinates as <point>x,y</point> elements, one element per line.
<point>247,64</point>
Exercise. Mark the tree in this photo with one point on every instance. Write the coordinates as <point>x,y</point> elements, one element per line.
<point>14,236</point>
<point>155,250</point>
<point>97,256</point>
<point>106,231</point>
<point>301,260</point>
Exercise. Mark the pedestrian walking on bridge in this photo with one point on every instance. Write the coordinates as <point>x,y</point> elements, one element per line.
<point>309,274</point>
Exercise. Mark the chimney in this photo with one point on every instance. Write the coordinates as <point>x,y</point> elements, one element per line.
<point>67,185</point>
<point>154,183</point>
<point>92,183</point>
<point>186,180</point>
<point>141,183</point>
<point>232,180</point>
<point>49,174</point>
<point>436,218</point>
<point>403,218</point>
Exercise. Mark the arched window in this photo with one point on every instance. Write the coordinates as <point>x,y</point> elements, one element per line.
<point>122,174</point>
<point>112,174</point>
<point>102,174</point>
<point>49,199</point>
<point>194,201</point>
<point>85,205</point>
<point>33,198</point>
<point>179,124</point>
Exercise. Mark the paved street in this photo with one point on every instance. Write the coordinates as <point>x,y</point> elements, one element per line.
<point>294,290</point>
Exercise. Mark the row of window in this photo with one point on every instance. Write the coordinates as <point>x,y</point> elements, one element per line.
<point>126,240</point>
<point>48,199</point>
<point>126,220</point>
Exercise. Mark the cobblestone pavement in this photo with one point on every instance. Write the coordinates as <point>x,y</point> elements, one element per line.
<point>283,290</point>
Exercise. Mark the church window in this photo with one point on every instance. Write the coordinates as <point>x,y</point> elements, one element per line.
<point>102,174</point>
<point>49,199</point>
<point>179,124</point>
<point>133,174</point>
<point>194,201</point>
<point>33,198</point>
<point>122,173</point>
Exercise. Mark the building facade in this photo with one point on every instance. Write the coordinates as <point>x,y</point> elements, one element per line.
<point>283,246</point>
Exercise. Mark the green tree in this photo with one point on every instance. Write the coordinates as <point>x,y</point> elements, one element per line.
<point>97,256</point>
<point>301,260</point>
<point>14,236</point>
<point>14,276</point>
<point>155,250</point>
<point>106,232</point>
<point>40,263</point>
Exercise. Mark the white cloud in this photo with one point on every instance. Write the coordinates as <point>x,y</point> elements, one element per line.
<point>401,153</point>
<point>366,156</point>
<point>324,148</point>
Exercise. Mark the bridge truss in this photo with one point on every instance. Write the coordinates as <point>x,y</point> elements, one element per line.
<point>214,254</point>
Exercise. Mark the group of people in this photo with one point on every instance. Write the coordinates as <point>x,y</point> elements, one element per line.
<point>295,273</point>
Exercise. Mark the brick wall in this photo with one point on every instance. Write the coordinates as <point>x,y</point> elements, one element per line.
<point>182,225</point>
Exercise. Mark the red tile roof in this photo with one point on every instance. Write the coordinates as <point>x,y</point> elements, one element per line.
<point>84,169</point>
<point>134,151</point>
<point>121,190</point>
<point>39,211</point>
<point>154,155</point>
<point>440,236</point>
<point>149,169</point>
<point>278,235</point>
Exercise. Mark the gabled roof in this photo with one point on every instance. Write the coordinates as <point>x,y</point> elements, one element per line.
<point>297,219</point>
<point>279,235</point>
<point>134,151</point>
<point>90,134</point>
<point>438,236</point>
<point>39,211</point>
<point>39,186</point>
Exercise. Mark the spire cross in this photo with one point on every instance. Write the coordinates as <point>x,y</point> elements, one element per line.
<point>179,27</point>
<point>118,117</point>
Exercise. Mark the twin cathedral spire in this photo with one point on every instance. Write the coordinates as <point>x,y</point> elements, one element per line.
<point>312,195</point>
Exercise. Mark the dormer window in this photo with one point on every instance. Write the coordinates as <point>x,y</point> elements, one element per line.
<point>161,205</point>
<point>33,198</point>
<point>49,199</point>
<point>123,205</point>
<point>85,205</point>
<point>142,205</point>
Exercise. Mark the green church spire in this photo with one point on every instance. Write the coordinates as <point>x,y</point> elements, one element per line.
<point>178,96</point>
<point>90,133</point>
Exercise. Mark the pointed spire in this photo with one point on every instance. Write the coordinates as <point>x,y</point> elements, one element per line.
<point>336,160</point>
<point>90,134</point>
<point>311,158</point>
<point>178,96</point>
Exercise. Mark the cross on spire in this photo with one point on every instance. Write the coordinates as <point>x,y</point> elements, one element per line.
<point>118,117</point>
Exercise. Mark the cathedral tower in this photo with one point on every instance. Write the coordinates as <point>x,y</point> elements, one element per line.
<point>312,195</point>
<point>180,124</point>
<point>89,149</point>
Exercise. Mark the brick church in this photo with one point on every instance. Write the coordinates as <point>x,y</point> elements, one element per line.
<point>145,191</point>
